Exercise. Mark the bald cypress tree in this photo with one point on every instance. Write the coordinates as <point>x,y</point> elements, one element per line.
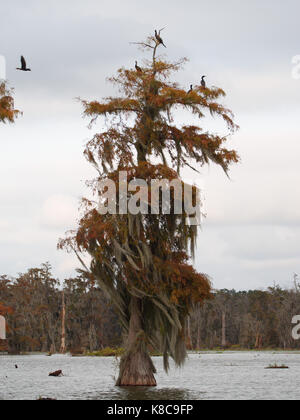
<point>143,261</point>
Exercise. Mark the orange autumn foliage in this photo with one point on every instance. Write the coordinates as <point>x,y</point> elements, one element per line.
<point>8,113</point>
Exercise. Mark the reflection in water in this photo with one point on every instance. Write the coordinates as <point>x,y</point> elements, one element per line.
<point>147,393</point>
<point>142,393</point>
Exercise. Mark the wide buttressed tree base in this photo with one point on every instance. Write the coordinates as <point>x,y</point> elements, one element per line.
<point>142,261</point>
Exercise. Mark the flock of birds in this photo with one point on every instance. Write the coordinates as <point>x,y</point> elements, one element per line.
<point>137,67</point>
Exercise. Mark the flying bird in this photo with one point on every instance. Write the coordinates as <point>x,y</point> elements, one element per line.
<point>23,65</point>
<point>203,83</point>
<point>159,39</point>
<point>191,89</point>
<point>137,67</point>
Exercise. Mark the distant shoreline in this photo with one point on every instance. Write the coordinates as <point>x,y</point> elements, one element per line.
<point>205,351</point>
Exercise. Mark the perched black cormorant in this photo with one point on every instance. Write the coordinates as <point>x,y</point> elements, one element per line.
<point>191,89</point>
<point>137,67</point>
<point>159,39</point>
<point>23,65</point>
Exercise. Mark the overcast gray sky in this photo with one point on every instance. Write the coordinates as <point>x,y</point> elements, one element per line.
<point>250,238</point>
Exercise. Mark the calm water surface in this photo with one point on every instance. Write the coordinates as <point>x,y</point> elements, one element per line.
<point>207,376</point>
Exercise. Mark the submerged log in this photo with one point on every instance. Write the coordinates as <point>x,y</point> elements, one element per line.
<point>277,367</point>
<point>57,373</point>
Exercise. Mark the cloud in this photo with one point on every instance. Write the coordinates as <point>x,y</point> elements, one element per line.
<point>244,257</point>
<point>249,238</point>
<point>59,211</point>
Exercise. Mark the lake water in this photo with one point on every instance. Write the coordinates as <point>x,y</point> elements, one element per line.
<point>206,376</point>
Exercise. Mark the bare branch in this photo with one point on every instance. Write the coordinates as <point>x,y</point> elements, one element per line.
<point>143,44</point>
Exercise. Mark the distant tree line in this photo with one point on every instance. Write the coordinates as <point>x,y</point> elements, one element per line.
<point>34,320</point>
<point>32,305</point>
<point>252,319</point>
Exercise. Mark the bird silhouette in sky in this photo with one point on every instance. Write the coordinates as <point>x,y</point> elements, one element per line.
<point>23,65</point>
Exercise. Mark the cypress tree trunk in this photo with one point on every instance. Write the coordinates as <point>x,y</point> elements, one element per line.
<point>223,329</point>
<point>136,367</point>
<point>189,344</point>
<point>63,326</point>
<point>198,337</point>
